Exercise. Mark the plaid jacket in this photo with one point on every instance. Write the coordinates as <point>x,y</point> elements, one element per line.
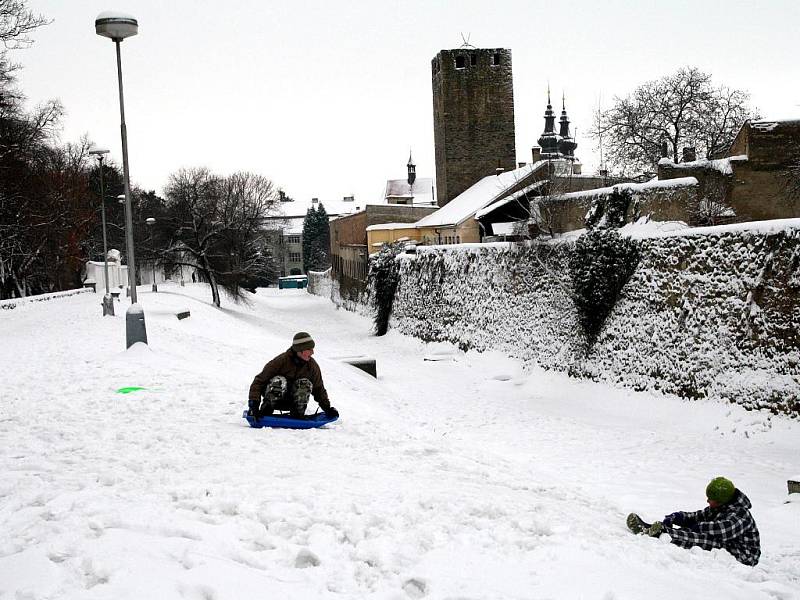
<point>730,526</point>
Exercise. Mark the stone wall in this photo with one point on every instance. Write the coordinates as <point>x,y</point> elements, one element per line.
<point>658,200</point>
<point>711,313</point>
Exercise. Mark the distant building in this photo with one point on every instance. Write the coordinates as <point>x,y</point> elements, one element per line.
<point>751,182</point>
<point>411,190</point>
<point>473,117</point>
<point>285,230</point>
<point>349,247</point>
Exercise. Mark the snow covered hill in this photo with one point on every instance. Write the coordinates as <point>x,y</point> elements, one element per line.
<point>457,477</point>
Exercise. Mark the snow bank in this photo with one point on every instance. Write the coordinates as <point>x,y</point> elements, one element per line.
<point>13,303</point>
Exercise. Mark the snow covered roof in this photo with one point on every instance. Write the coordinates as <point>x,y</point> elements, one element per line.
<point>388,226</point>
<point>769,125</point>
<point>474,198</point>
<point>421,190</point>
<point>515,196</point>
<point>299,208</point>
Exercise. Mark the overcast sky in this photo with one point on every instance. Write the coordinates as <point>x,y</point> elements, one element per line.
<point>327,97</point>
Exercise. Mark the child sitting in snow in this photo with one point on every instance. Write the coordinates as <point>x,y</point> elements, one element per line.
<point>725,523</point>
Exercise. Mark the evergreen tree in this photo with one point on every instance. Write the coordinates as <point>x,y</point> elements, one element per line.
<point>316,240</point>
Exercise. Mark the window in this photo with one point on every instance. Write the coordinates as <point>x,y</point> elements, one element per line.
<point>461,62</point>
<point>294,257</point>
<point>293,239</point>
<point>495,60</point>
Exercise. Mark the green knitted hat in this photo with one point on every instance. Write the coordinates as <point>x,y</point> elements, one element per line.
<point>302,341</point>
<point>720,490</point>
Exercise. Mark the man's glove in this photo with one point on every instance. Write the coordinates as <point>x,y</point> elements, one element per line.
<point>254,412</point>
<point>676,518</point>
<point>331,413</point>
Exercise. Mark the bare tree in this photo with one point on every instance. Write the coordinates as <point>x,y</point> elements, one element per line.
<point>213,224</point>
<point>46,214</point>
<point>16,25</point>
<point>17,22</point>
<point>681,109</point>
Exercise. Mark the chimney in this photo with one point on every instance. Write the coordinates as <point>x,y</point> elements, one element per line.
<point>537,153</point>
<point>348,199</point>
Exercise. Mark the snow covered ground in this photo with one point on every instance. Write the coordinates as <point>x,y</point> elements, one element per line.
<point>458,476</point>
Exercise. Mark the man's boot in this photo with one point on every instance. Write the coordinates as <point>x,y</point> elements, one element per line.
<point>636,525</point>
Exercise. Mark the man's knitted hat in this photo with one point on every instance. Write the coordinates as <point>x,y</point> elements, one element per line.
<point>302,341</point>
<point>720,490</point>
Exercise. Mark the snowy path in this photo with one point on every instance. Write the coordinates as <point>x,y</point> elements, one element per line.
<point>457,478</point>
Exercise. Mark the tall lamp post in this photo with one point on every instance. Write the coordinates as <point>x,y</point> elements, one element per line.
<point>150,222</point>
<point>108,301</point>
<point>119,26</point>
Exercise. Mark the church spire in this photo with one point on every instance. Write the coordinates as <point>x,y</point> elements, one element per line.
<point>564,120</point>
<point>566,145</point>
<point>549,140</point>
<point>412,169</point>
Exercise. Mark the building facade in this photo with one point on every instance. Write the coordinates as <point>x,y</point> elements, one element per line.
<point>473,117</point>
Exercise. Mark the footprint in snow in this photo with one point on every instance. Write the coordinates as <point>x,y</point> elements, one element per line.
<point>415,588</point>
<point>305,558</point>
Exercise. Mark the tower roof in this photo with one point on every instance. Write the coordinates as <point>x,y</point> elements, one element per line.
<point>549,139</point>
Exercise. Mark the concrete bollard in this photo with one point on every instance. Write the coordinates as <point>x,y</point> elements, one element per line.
<point>135,330</point>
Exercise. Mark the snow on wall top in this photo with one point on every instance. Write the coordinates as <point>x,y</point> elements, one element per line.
<point>723,165</point>
<point>654,184</point>
<point>385,226</point>
<point>750,226</point>
<point>478,196</point>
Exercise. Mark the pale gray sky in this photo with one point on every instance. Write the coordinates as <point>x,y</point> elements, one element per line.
<point>326,97</point>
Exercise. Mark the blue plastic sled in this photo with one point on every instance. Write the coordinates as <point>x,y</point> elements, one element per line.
<point>287,422</point>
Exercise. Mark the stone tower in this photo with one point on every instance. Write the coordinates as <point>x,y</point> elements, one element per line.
<point>473,117</point>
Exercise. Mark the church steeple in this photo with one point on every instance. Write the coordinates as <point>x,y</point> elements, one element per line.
<point>564,120</point>
<point>549,140</point>
<point>412,169</point>
<point>566,145</point>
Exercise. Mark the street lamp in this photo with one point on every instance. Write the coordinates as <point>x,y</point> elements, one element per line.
<point>150,222</point>
<point>108,301</point>
<point>119,26</point>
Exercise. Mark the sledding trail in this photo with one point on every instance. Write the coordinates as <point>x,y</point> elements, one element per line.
<point>458,477</point>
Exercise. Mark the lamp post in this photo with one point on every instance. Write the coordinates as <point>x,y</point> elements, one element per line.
<point>119,26</point>
<point>108,301</point>
<point>150,222</point>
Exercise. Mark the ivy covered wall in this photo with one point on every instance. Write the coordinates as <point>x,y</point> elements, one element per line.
<point>709,312</point>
